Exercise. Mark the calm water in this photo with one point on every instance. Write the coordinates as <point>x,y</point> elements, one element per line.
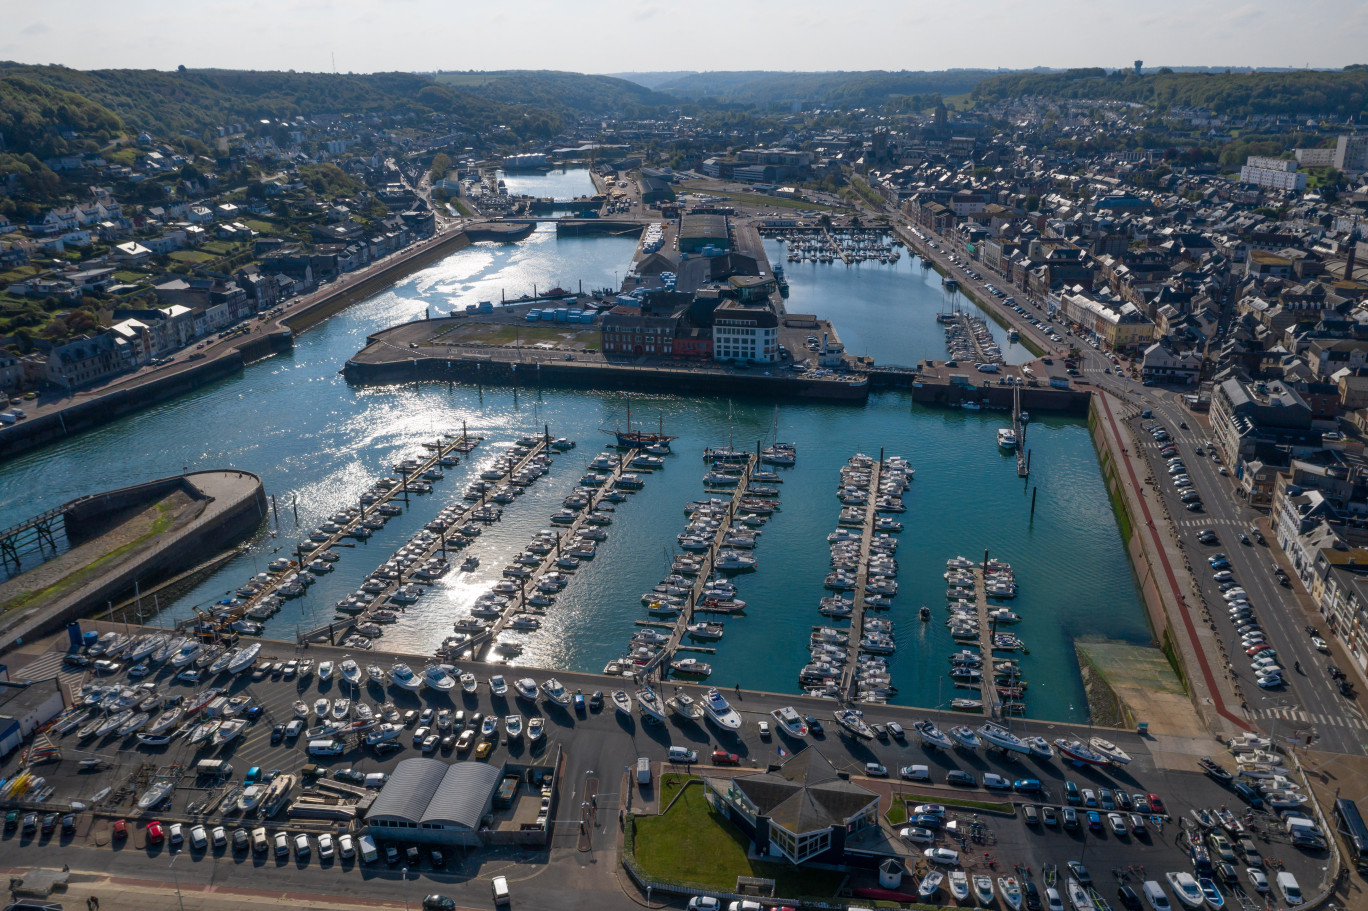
<point>294,421</point>
<point>562,183</point>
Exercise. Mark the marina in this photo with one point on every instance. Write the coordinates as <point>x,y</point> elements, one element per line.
<point>327,447</point>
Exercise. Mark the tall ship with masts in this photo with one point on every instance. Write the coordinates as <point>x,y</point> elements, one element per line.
<point>642,439</point>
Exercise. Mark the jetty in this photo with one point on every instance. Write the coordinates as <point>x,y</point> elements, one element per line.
<point>992,705</point>
<point>686,616</point>
<point>1019,428</point>
<point>549,560</point>
<point>857,617</point>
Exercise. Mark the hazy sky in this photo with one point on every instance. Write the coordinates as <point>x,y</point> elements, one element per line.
<point>643,35</point>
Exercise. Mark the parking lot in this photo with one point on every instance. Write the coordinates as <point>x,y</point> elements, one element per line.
<point>592,742</point>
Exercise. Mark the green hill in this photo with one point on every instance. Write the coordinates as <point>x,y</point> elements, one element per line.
<point>1334,93</point>
<point>43,121</point>
<point>873,88</point>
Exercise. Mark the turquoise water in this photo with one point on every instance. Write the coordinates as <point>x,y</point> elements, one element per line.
<point>293,420</point>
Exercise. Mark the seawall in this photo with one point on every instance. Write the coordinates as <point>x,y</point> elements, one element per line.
<point>397,368</point>
<point>229,506</point>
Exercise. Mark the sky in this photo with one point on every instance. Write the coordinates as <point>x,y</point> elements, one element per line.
<point>593,36</point>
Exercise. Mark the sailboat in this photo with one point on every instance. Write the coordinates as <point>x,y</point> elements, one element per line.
<point>637,439</point>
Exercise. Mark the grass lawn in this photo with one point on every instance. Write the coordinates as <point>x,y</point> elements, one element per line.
<point>530,334</point>
<point>460,207</point>
<point>1005,807</point>
<point>221,247</point>
<point>192,256</point>
<point>761,200</point>
<point>259,226</point>
<point>692,844</point>
<point>126,276</point>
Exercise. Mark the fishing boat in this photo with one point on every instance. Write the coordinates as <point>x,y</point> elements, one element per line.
<point>437,678</point>
<point>469,683</point>
<point>931,735</point>
<point>964,736</point>
<point>691,667</point>
<point>1186,889</point>
<point>526,688</point>
<point>790,722</point>
<point>535,729</point>
<point>685,707</point>
<point>853,721</point>
<point>154,795</point>
<point>228,731</point>
<point>720,712</point>
<point>999,736</point>
<point>251,797</point>
<point>1078,896</point>
<point>402,676</point>
<point>959,885</point>
<point>1110,750</point>
<point>650,703</point>
<point>153,740</point>
<point>622,702</point>
<point>513,726</point>
<point>556,692</point>
<point>930,883</point>
<point>1075,751</point>
<point>1010,890</point>
<point>1006,439</point>
<point>983,889</point>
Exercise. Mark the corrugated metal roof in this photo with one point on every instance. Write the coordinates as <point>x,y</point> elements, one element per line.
<point>424,790</point>
<point>464,794</point>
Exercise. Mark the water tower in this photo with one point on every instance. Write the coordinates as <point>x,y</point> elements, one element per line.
<point>1138,65</point>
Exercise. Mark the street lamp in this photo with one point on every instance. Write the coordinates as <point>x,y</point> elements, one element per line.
<point>176,879</point>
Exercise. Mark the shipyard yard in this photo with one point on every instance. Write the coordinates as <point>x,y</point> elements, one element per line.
<point>595,746</point>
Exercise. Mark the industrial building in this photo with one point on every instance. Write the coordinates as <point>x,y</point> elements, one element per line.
<point>431,802</point>
<point>26,707</point>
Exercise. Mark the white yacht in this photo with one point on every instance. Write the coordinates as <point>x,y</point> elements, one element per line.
<point>325,670</point>
<point>790,722</point>
<point>498,685</point>
<point>351,671</point>
<point>437,678</point>
<point>403,677</point>
<point>526,688</point>
<point>1007,439</point>
<point>999,736</point>
<point>716,707</point>
<point>187,653</point>
<point>556,692</point>
<point>650,704</point>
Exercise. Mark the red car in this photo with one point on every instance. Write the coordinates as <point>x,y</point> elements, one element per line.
<point>120,830</point>
<point>722,757</point>
<point>154,833</point>
<point>1156,805</point>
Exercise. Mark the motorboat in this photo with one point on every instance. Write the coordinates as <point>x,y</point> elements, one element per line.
<point>228,731</point>
<point>275,795</point>
<point>685,707</point>
<point>930,884</point>
<point>1078,896</point>
<point>1010,890</point>
<point>964,736</point>
<point>513,726</point>
<point>720,712</point>
<point>341,708</point>
<point>983,889</point>
<point>959,885</point>
<point>535,727</point>
<point>435,676</point>
<point>153,796</point>
<point>321,707</point>
<point>1186,889</point>
<point>383,733</point>
<point>1007,438</point>
<point>790,722</point>
<point>999,736</point>
<point>350,671</point>
<point>251,797</point>
<point>1110,750</point>
<point>498,686</point>
<point>403,677</point>
<point>651,706</point>
<point>1040,747</point>
<point>691,667</point>
<point>1075,751</point>
<point>622,702</point>
<point>469,682</point>
<point>300,708</point>
<point>187,653</point>
<point>853,721</point>
<point>556,692</point>
<point>931,735</point>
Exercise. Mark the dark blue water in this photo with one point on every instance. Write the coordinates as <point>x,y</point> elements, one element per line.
<point>294,421</point>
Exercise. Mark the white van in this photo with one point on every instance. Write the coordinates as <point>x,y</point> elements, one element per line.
<point>643,770</point>
<point>325,747</point>
<point>683,754</point>
<point>1287,885</point>
<point>214,768</point>
<point>366,845</point>
<point>500,887</point>
<point>1154,894</point>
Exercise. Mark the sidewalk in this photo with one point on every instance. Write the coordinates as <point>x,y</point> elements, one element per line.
<point>1212,690</point>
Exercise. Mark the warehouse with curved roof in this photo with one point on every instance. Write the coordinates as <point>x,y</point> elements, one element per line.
<point>426,800</point>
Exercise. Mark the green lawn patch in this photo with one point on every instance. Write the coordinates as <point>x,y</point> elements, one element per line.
<point>126,276</point>
<point>670,785</point>
<point>693,844</point>
<point>460,207</point>
<point>80,576</point>
<point>192,256</point>
<point>897,814</point>
<point>777,202</point>
<point>259,226</point>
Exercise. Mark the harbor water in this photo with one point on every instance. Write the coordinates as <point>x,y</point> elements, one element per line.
<point>293,420</point>
<point>561,184</point>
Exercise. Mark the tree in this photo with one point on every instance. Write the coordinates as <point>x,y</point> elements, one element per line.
<point>441,164</point>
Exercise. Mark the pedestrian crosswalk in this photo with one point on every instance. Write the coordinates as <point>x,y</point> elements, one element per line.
<point>1209,522</point>
<point>44,667</point>
<point>1310,718</point>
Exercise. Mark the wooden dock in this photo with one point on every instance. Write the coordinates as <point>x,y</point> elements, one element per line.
<point>444,446</point>
<point>992,705</point>
<point>686,616</point>
<point>1019,428</point>
<point>857,616</point>
<point>549,560</point>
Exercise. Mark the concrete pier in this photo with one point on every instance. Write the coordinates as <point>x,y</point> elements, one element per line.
<point>857,617</point>
<point>992,705</point>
